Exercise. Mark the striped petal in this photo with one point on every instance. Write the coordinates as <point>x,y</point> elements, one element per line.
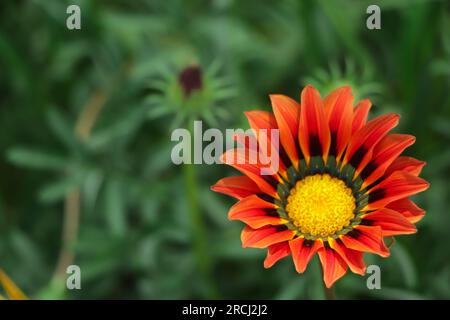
<point>238,187</point>
<point>264,237</point>
<point>259,218</point>
<point>398,185</point>
<point>339,111</point>
<point>249,203</point>
<point>275,253</point>
<point>334,267</point>
<point>263,123</point>
<point>248,141</point>
<point>359,150</point>
<point>408,209</point>
<point>406,164</point>
<point>354,259</point>
<point>384,153</point>
<point>239,159</point>
<point>272,160</point>
<point>302,252</point>
<point>366,238</point>
<point>360,115</point>
<point>255,212</point>
<point>313,134</point>
<point>261,120</point>
<point>391,222</point>
<point>287,115</point>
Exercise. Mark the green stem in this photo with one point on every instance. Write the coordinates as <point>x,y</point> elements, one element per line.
<point>330,294</point>
<point>198,228</point>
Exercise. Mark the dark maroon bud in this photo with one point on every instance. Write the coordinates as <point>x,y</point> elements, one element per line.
<point>190,79</point>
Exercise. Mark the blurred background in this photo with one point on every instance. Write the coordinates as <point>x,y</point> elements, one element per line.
<point>86,117</point>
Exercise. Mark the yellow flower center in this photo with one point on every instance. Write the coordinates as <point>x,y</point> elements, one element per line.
<point>321,205</point>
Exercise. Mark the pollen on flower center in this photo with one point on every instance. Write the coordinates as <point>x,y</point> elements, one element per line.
<point>320,205</point>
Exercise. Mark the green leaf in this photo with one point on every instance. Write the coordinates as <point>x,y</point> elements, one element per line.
<point>121,128</point>
<point>62,130</point>
<point>115,207</point>
<point>56,191</point>
<point>35,159</point>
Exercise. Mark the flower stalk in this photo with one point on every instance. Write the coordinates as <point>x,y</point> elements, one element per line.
<point>198,228</point>
<point>330,293</point>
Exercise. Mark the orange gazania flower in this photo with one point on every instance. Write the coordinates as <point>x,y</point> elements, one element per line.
<point>341,187</point>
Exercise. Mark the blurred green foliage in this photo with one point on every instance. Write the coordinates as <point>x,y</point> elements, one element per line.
<point>91,110</point>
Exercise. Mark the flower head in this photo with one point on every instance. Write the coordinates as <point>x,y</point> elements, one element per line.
<point>341,187</point>
<point>190,79</point>
<point>190,92</point>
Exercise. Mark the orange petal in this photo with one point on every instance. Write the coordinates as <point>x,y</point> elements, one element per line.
<point>364,140</point>
<point>407,164</point>
<point>302,252</point>
<point>276,252</point>
<point>313,134</point>
<point>258,219</point>
<point>263,122</point>
<point>247,141</point>
<point>287,115</point>
<point>391,222</point>
<point>398,185</point>
<point>339,111</point>
<point>384,153</point>
<point>360,115</point>
<point>264,237</point>
<point>366,238</point>
<point>354,259</point>
<point>334,267</point>
<point>238,187</point>
<point>239,159</point>
<point>408,209</point>
<point>253,147</point>
<point>255,212</point>
<point>249,203</point>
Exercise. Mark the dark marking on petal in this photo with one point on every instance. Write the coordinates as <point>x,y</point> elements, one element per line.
<point>333,145</point>
<point>308,243</point>
<point>369,169</point>
<point>281,227</point>
<point>366,222</point>
<point>270,180</point>
<point>284,157</point>
<point>315,148</point>
<point>271,212</point>
<point>299,151</point>
<point>357,157</point>
<point>265,197</point>
<point>355,234</point>
<point>377,195</point>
